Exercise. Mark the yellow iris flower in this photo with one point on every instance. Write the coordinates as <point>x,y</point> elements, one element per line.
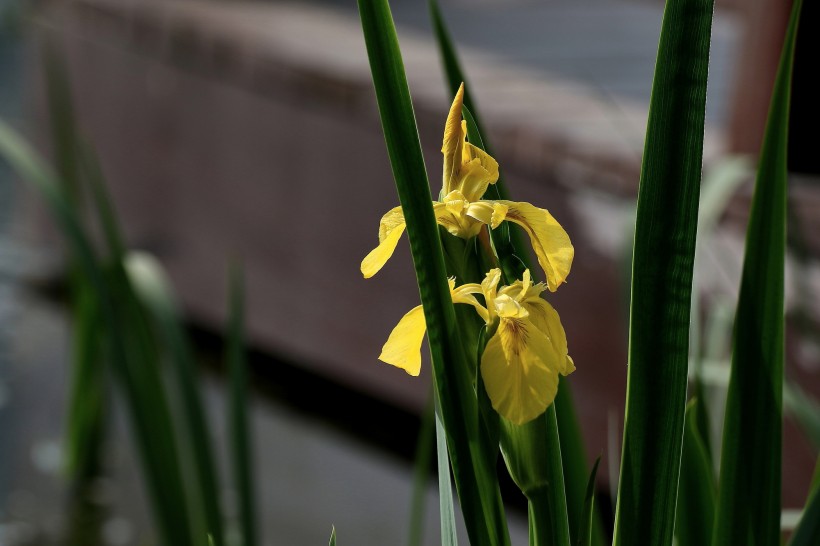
<point>522,359</point>
<point>468,172</point>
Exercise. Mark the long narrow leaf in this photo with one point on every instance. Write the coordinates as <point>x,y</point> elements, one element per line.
<point>475,476</point>
<point>749,500</point>
<point>663,257</point>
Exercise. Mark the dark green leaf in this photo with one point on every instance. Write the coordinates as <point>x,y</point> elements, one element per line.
<point>475,476</point>
<point>749,500</point>
<point>664,250</point>
<point>240,438</point>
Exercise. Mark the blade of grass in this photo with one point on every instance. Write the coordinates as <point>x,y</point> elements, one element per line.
<point>749,499</point>
<point>696,494</point>
<point>588,513</point>
<point>663,258</point>
<point>134,368</point>
<point>475,477</point>
<point>508,245</point>
<point>332,541</point>
<point>155,293</point>
<point>240,437</point>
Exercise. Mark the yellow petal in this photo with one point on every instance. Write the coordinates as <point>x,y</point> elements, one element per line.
<point>403,347</point>
<point>549,240</point>
<point>453,143</point>
<point>478,170</point>
<point>390,229</point>
<point>519,382</point>
<point>546,319</point>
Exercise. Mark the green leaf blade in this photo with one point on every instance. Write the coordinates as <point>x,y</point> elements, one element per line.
<point>475,477</point>
<point>750,481</point>
<point>662,268</point>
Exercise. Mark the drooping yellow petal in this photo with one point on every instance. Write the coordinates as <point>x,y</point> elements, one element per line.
<point>377,257</point>
<point>546,319</point>
<point>519,382</point>
<point>390,221</point>
<point>453,143</point>
<point>549,240</point>
<point>403,347</point>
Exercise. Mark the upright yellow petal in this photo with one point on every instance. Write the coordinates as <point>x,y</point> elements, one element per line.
<point>519,382</point>
<point>390,229</point>
<point>453,143</point>
<point>549,240</point>
<point>403,347</point>
<point>478,170</point>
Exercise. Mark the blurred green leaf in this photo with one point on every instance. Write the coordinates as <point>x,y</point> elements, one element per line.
<point>664,249</point>
<point>475,476</point>
<point>805,410</point>
<point>697,492</point>
<point>749,499</point>
<point>332,536</point>
<point>154,291</point>
<point>240,438</point>
<point>808,530</point>
<point>132,349</point>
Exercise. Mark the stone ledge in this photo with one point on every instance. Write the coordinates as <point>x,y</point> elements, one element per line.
<point>539,127</point>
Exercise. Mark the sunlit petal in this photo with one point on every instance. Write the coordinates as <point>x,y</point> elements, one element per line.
<point>519,382</point>
<point>549,240</point>
<point>374,261</point>
<point>403,347</point>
